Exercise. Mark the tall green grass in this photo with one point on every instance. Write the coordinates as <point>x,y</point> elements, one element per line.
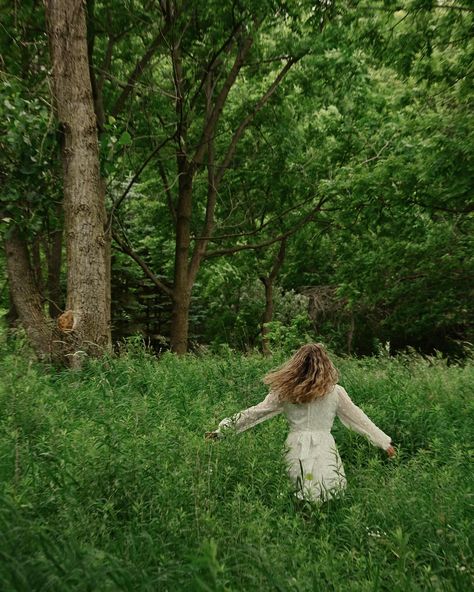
<point>108,483</point>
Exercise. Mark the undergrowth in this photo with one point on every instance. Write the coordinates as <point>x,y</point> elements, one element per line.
<point>108,483</point>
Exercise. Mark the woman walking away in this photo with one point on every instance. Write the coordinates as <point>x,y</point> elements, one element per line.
<point>305,389</point>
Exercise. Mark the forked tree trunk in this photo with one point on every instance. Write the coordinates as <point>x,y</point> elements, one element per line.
<point>214,88</point>
<point>84,206</point>
<point>26,296</point>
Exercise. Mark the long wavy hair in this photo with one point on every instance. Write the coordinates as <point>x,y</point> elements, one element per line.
<point>307,375</point>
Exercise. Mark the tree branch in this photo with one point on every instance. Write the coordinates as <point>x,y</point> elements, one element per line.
<point>134,179</point>
<point>181,128</point>
<point>454,7</point>
<point>139,69</point>
<point>212,62</point>
<point>125,248</point>
<point>467,210</point>
<point>105,67</point>
<point>304,220</point>
<point>201,245</point>
<point>243,126</point>
<point>215,114</point>
<point>262,225</point>
<point>278,262</point>
<point>167,189</point>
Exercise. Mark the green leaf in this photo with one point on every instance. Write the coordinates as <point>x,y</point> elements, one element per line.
<point>125,139</point>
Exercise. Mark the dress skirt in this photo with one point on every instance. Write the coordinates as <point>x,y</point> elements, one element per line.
<point>314,465</point>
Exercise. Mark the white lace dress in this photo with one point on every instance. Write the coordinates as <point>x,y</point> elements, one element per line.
<point>312,457</point>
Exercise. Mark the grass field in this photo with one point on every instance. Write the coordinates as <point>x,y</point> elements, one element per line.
<point>108,484</point>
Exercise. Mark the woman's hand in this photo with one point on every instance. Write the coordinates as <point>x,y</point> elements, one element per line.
<point>391,451</point>
<point>211,435</point>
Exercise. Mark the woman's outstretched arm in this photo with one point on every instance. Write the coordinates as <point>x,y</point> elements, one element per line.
<point>246,419</point>
<point>354,418</point>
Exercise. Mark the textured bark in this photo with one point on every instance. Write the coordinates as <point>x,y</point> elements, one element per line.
<point>54,255</point>
<point>36,264</point>
<point>12,315</point>
<point>26,296</point>
<point>84,208</point>
<point>180,321</point>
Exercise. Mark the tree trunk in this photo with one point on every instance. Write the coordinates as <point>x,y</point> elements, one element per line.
<point>181,287</point>
<point>54,247</point>
<point>36,263</point>
<point>180,322</point>
<point>26,296</point>
<point>84,207</point>
<point>12,315</point>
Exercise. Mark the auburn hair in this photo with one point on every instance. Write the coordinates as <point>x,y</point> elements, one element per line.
<point>307,375</point>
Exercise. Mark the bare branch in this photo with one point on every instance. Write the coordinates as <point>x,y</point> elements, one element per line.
<point>277,58</point>
<point>212,62</point>
<point>201,245</point>
<point>454,7</point>
<point>279,259</point>
<point>214,179</point>
<point>467,210</point>
<point>105,67</point>
<point>261,226</point>
<point>181,129</point>
<point>377,156</point>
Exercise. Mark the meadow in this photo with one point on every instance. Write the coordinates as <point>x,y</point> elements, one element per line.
<point>108,483</point>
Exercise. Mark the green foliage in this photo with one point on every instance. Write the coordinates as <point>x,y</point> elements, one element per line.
<point>108,483</point>
<point>28,153</point>
<point>288,337</point>
<point>365,148</point>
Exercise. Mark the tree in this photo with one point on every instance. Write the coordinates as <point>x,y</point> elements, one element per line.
<point>30,197</point>
<point>87,242</point>
<point>213,52</point>
<point>218,144</point>
<point>84,206</point>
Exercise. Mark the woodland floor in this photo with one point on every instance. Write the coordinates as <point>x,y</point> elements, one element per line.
<point>108,483</point>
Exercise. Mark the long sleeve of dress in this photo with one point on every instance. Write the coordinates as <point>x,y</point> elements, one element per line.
<point>354,418</point>
<point>252,416</point>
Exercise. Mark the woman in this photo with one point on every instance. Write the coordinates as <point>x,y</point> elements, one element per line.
<point>305,389</point>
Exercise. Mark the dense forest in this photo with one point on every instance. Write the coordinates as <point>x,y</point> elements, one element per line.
<point>241,172</point>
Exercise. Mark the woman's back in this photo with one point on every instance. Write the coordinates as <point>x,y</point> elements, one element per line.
<point>317,415</point>
<point>304,390</point>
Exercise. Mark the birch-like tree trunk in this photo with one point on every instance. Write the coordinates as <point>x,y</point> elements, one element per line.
<point>86,240</point>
